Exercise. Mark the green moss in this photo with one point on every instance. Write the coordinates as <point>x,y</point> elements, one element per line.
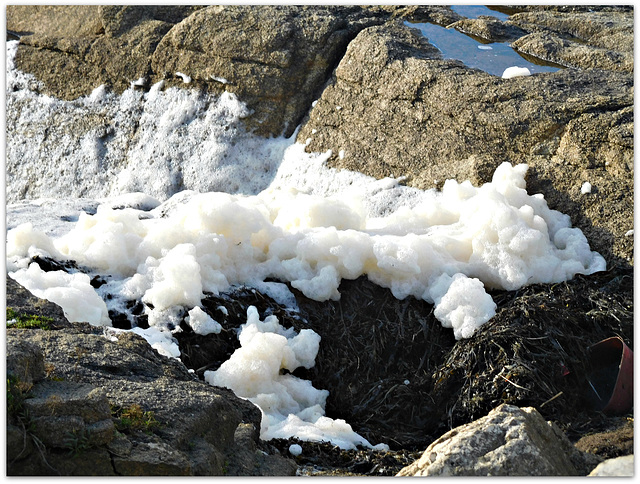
<point>27,321</point>
<point>134,418</point>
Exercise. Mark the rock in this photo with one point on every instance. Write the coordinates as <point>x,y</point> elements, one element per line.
<point>23,302</point>
<point>185,426</point>
<point>25,362</point>
<point>153,459</point>
<point>599,38</point>
<point>552,48</point>
<point>509,441</point>
<point>90,462</point>
<point>394,108</point>
<point>79,21</point>
<point>489,28</point>
<point>598,27</point>
<point>609,444</point>
<point>119,19</point>
<point>617,467</point>
<point>66,414</point>
<point>275,58</point>
<point>113,48</point>
<point>437,14</point>
<point>248,460</point>
<point>19,445</point>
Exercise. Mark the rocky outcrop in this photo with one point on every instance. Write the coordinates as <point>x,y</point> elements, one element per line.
<point>108,404</point>
<point>387,104</point>
<point>85,46</point>
<point>580,38</point>
<point>395,108</point>
<point>509,441</point>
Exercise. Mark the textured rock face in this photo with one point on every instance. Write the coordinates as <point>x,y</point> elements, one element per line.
<point>276,58</point>
<point>617,467</point>
<point>509,441</point>
<point>603,34</point>
<point>79,48</point>
<point>395,108</point>
<point>87,375</point>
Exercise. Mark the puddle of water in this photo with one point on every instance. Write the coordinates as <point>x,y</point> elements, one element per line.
<point>493,57</point>
<point>474,11</point>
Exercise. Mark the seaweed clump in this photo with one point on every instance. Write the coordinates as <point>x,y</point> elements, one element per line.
<point>398,377</point>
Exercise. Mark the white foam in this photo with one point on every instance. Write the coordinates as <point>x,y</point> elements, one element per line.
<point>185,78</point>
<point>72,292</point>
<point>585,188</point>
<point>515,71</point>
<point>195,204</point>
<point>202,323</point>
<point>290,407</point>
<point>159,142</point>
<point>497,234</point>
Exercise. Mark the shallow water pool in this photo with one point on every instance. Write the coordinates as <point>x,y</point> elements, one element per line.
<point>491,57</point>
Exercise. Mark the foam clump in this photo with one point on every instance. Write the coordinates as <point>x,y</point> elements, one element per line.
<point>461,303</point>
<point>291,407</point>
<point>295,449</point>
<point>202,323</point>
<point>496,234</point>
<point>72,292</point>
<point>162,341</point>
<point>515,71</point>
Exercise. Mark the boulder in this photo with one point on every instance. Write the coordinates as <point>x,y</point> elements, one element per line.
<point>182,426</point>
<point>489,28</point>
<point>552,48</point>
<point>599,27</point>
<point>509,441</point>
<point>66,413</point>
<point>21,301</point>
<point>25,362</point>
<point>275,58</point>
<point>616,467</point>
<point>395,108</point>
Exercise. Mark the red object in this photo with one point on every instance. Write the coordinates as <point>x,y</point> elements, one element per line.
<point>612,360</point>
